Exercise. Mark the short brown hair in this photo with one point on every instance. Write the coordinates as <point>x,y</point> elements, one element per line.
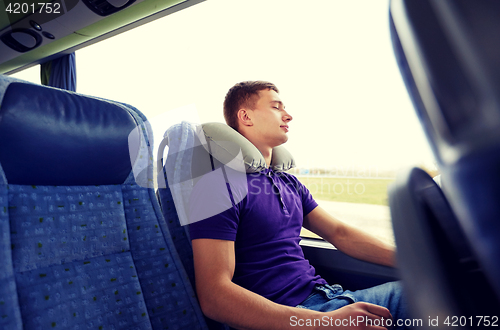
<point>243,94</point>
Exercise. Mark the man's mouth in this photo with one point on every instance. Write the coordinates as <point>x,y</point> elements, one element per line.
<point>285,127</point>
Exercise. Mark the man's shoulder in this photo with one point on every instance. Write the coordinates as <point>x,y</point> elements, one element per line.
<point>216,192</point>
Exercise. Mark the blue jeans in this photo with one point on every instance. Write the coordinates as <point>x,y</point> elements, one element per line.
<point>325,298</point>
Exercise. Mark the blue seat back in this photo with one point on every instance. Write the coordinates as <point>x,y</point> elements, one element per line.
<point>83,241</point>
<point>179,154</point>
<point>449,58</point>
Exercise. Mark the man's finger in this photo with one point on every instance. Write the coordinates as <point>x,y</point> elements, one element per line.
<point>379,310</point>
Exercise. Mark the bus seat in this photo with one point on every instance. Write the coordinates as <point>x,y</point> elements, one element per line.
<point>193,151</point>
<point>435,257</point>
<point>83,244</point>
<point>449,59</point>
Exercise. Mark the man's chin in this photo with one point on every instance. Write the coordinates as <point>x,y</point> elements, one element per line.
<point>282,141</point>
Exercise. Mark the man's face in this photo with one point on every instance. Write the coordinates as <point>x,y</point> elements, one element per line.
<point>270,120</point>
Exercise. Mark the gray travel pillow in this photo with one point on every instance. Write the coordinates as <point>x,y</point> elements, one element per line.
<point>225,143</point>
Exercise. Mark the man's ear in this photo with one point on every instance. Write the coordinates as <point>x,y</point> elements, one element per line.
<point>245,117</point>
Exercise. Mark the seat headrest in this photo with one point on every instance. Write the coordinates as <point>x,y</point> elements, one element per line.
<point>48,135</point>
<point>225,144</point>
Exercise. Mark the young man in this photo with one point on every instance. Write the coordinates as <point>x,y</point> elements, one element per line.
<point>250,270</point>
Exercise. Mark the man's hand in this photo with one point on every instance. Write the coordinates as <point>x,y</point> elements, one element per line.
<point>360,315</point>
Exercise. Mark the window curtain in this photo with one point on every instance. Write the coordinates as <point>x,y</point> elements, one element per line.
<point>60,72</point>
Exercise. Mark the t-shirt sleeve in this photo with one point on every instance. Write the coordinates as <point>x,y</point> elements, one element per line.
<point>308,202</point>
<point>212,212</point>
<point>220,226</point>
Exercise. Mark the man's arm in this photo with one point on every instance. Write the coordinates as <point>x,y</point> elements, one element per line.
<point>226,302</point>
<point>349,239</point>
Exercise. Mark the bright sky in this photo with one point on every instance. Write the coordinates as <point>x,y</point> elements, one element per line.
<point>331,59</point>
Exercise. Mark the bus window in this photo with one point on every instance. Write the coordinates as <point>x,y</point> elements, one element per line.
<point>353,124</point>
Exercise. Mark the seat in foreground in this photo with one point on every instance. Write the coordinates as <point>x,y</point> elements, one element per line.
<point>83,241</point>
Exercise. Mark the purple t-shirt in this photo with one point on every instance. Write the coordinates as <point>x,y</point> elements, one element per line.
<point>265,226</point>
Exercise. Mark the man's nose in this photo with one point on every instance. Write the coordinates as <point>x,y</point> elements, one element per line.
<point>287,117</point>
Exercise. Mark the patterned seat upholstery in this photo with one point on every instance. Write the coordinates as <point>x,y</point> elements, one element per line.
<point>83,244</point>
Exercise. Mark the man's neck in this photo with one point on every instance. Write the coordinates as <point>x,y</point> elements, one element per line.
<point>268,155</point>
<point>265,150</point>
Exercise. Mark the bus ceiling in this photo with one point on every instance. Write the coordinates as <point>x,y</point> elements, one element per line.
<point>35,31</point>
